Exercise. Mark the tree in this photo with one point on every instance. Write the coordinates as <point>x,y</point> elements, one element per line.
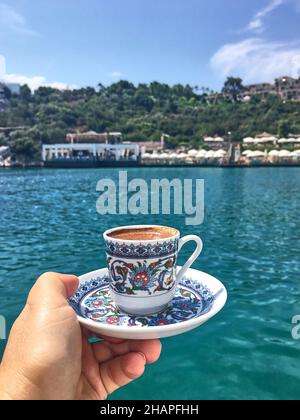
<point>283,129</point>
<point>233,87</point>
<point>25,146</point>
<point>143,112</point>
<point>142,100</point>
<point>7,92</point>
<point>123,86</point>
<point>25,93</point>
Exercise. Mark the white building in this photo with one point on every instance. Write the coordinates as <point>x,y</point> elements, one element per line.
<point>97,151</point>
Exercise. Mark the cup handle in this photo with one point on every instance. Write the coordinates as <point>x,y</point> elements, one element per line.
<point>193,257</point>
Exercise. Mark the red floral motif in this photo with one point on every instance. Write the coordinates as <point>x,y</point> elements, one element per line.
<point>142,278</point>
<point>130,266</point>
<point>169,263</point>
<point>98,303</point>
<point>162,322</point>
<point>112,320</point>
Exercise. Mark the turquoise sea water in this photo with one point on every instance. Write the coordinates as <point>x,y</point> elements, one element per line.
<point>251,234</point>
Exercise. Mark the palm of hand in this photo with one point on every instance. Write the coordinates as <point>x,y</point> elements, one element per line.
<point>109,365</point>
<point>48,355</point>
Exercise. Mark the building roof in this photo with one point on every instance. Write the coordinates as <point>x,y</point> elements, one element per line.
<point>150,145</point>
<point>213,139</point>
<point>264,135</point>
<point>91,135</point>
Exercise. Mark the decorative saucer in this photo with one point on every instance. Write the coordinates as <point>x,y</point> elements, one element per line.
<point>198,298</point>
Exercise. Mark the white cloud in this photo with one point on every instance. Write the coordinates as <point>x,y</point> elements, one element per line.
<point>33,82</point>
<point>116,74</point>
<point>12,20</point>
<point>256,60</point>
<point>257,24</point>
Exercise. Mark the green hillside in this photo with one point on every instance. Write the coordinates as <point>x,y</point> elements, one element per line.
<point>142,112</point>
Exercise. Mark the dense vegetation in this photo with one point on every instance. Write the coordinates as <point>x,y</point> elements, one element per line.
<point>143,112</point>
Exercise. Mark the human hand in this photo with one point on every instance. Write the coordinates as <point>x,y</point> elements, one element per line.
<point>48,355</point>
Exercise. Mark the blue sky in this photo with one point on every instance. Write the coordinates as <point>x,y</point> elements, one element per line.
<point>84,42</point>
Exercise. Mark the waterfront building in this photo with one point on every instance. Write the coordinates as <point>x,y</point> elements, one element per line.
<point>90,154</point>
<point>94,137</point>
<point>215,142</point>
<point>150,146</point>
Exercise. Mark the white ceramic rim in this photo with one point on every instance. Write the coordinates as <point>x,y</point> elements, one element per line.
<point>132,241</point>
<point>212,284</point>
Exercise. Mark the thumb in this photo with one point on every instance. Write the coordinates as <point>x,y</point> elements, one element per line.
<point>52,290</point>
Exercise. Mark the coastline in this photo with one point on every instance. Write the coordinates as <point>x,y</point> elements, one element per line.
<point>156,165</point>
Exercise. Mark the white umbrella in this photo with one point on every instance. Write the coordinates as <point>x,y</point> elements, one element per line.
<point>201,153</point>
<point>297,152</point>
<point>295,155</point>
<point>210,154</point>
<point>219,139</point>
<point>146,155</point>
<point>219,154</point>
<point>173,156</point>
<point>246,152</point>
<point>287,141</point>
<point>155,155</point>
<point>249,140</point>
<point>221,151</point>
<point>193,152</point>
<point>265,140</point>
<point>208,139</point>
<point>274,153</point>
<point>256,154</point>
<point>182,156</point>
<point>250,154</point>
<point>284,153</point>
<point>164,156</point>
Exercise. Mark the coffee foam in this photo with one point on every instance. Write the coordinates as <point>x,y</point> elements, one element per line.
<point>143,233</point>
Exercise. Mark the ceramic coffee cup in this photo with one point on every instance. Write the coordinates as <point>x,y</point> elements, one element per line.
<point>143,274</point>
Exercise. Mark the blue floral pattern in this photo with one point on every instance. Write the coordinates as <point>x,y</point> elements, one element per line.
<point>156,250</point>
<point>93,301</point>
